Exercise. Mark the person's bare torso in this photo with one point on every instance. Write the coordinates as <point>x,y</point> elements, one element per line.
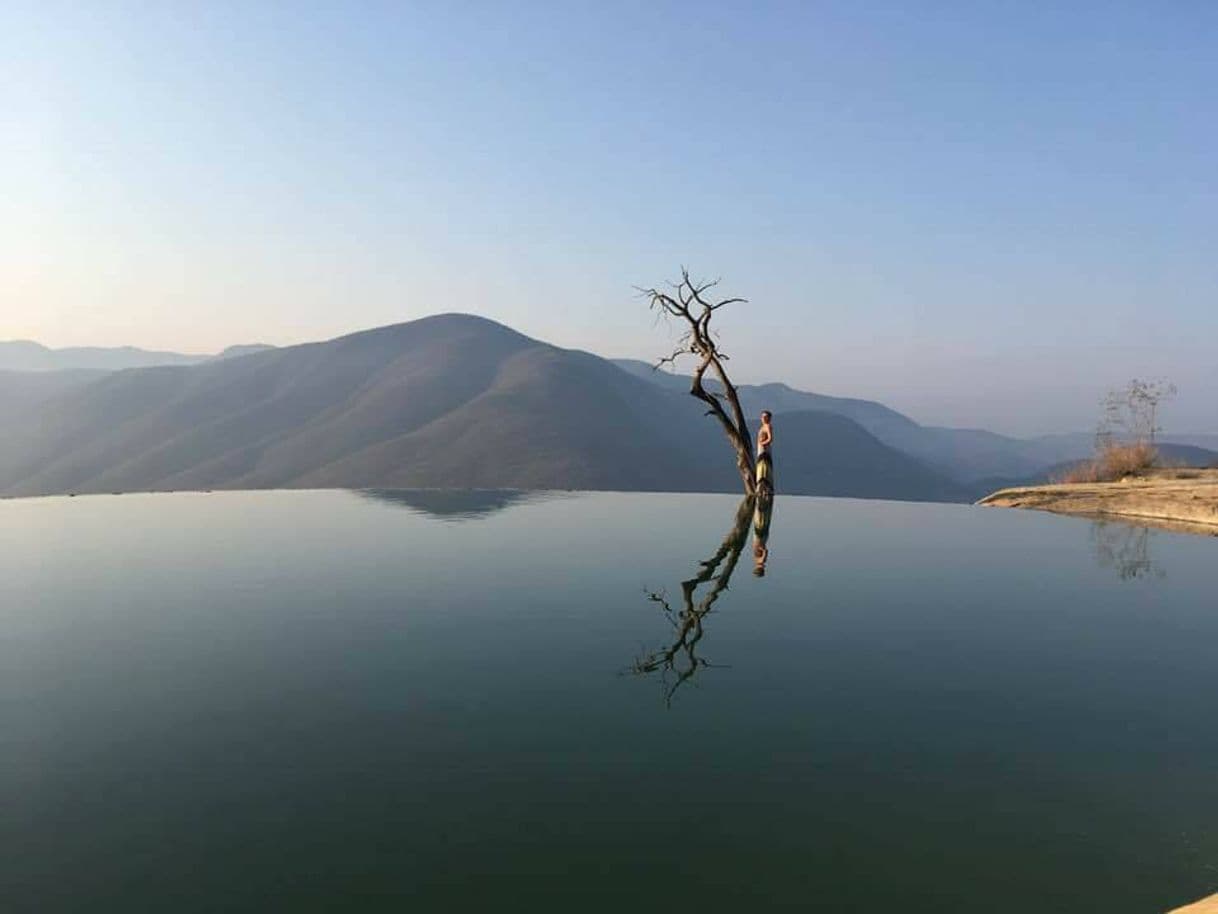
<point>764,438</point>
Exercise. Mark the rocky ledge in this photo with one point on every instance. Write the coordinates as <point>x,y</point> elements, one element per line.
<point>1184,500</point>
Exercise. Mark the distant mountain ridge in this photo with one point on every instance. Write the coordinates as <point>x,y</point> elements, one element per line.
<point>975,458</point>
<point>778,397</point>
<point>26,355</point>
<point>459,401</point>
<point>451,401</point>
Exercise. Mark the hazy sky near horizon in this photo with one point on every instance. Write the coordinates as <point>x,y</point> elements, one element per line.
<point>982,213</point>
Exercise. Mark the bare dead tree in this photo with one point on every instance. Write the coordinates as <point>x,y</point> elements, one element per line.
<point>687,302</point>
<point>1132,411</point>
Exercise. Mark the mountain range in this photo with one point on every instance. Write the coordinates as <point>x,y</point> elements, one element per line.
<point>977,459</point>
<point>26,355</point>
<point>458,401</point>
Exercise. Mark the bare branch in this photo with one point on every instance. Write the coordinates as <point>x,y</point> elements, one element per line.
<point>691,306</point>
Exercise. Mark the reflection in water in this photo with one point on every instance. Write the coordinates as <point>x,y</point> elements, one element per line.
<point>457,504</point>
<point>1126,549</point>
<point>679,661</point>
<point>762,515</point>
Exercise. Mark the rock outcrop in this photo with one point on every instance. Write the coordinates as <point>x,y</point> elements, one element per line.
<point>1179,499</point>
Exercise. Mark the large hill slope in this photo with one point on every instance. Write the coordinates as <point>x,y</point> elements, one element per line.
<point>451,401</point>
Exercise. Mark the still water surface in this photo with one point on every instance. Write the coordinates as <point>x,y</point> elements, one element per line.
<point>297,701</point>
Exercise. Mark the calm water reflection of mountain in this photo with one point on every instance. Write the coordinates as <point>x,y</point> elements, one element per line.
<point>458,504</point>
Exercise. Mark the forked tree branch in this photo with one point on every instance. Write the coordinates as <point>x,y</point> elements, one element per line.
<point>690,305</point>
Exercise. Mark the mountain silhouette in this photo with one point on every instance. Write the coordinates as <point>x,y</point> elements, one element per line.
<point>974,458</point>
<point>450,401</point>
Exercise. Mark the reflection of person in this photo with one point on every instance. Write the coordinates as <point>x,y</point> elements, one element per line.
<point>765,460</point>
<point>762,513</point>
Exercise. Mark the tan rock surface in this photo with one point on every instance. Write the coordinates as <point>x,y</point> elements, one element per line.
<point>1178,499</point>
<point>1204,906</point>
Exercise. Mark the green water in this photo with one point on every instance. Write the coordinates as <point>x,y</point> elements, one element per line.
<point>328,701</point>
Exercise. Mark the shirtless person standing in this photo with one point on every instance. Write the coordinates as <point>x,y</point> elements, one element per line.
<point>765,462</point>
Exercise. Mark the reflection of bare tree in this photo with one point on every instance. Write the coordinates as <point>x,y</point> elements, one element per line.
<point>679,661</point>
<point>1125,549</point>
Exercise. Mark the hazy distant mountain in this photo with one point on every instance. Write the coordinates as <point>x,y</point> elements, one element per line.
<point>1208,442</point>
<point>825,453</point>
<point>25,355</point>
<point>780,398</point>
<point>20,389</point>
<point>1172,454</point>
<point>1169,455</point>
<point>451,401</point>
<point>973,457</point>
<point>233,352</point>
<point>458,401</point>
<point>963,454</point>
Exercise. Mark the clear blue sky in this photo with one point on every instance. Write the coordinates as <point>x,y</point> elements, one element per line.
<point>982,213</point>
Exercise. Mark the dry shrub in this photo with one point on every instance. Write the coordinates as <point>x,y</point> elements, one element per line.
<point>1120,460</point>
<point>1113,462</point>
<point>1087,471</point>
